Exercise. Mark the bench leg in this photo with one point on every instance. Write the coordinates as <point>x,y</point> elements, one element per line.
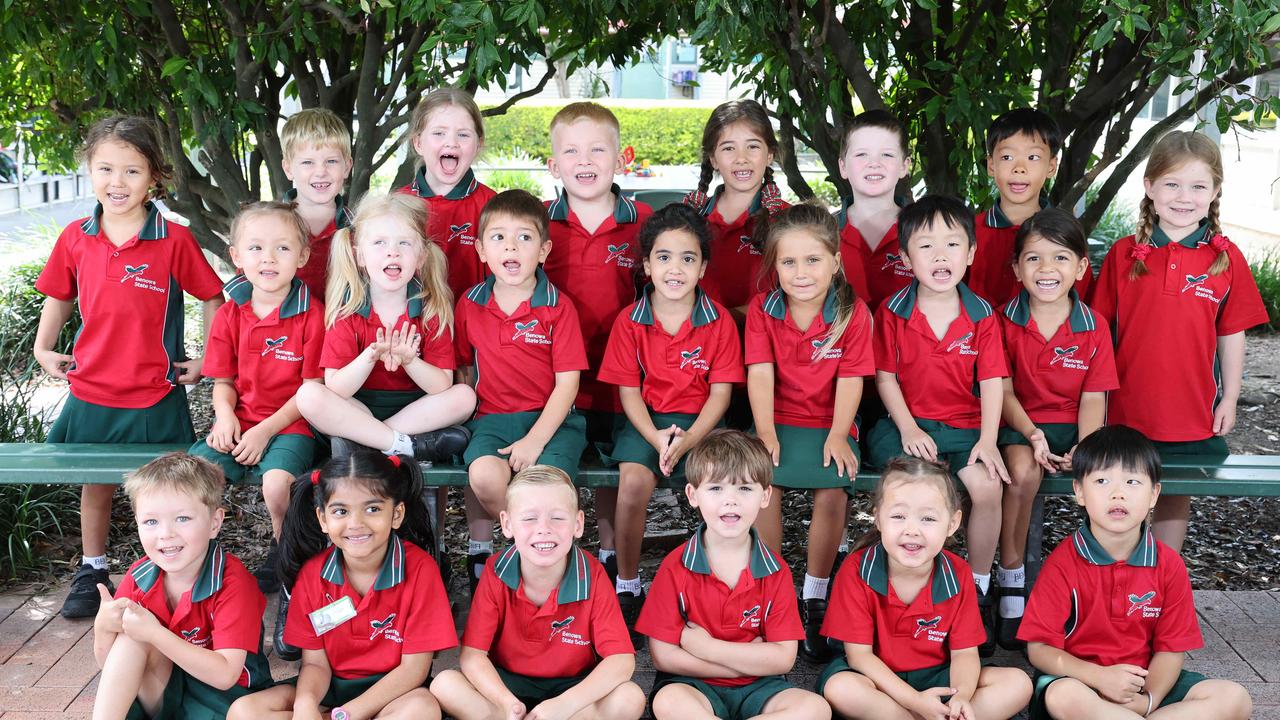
<point>1035,539</point>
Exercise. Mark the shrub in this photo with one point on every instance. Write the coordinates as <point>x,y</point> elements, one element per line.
<point>1266,272</point>
<point>20,305</point>
<point>663,136</point>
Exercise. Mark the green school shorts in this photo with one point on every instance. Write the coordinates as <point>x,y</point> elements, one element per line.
<point>564,450</point>
<point>1214,445</point>
<point>343,690</point>
<point>919,680</point>
<point>168,421</point>
<point>800,459</point>
<point>186,698</point>
<point>602,428</point>
<point>729,703</point>
<point>884,442</point>
<point>533,690</point>
<point>1061,437</point>
<point>630,446</point>
<point>1037,711</point>
<point>291,453</point>
<point>385,403</point>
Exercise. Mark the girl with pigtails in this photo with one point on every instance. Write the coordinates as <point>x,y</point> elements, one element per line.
<point>1179,296</point>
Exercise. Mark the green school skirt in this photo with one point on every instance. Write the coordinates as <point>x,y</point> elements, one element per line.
<point>186,698</point>
<point>729,703</point>
<point>564,450</point>
<point>1037,711</point>
<point>884,442</point>
<point>800,459</point>
<point>168,421</point>
<point>630,446</point>
<point>1061,437</point>
<point>919,680</point>
<point>385,403</point>
<point>291,453</point>
<point>533,690</point>
<point>1214,446</point>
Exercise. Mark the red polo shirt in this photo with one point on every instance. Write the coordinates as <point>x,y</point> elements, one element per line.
<point>1050,375</point>
<point>577,626</point>
<point>991,274</point>
<point>351,334</point>
<point>761,605</point>
<point>266,359</point>
<point>939,378</point>
<point>804,386</point>
<point>316,272</point>
<point>943,617</point>
<point>1109,612</point>
<point>405,612</point>
<point>597,271</point>
<point>453,223</point>
<point>674,372</point>
<point>733,273</point>
<point>1167,324</point>
<point>875,273</point>
<point>517,356</point>
<point>130,300</point>
<point>221,611</point>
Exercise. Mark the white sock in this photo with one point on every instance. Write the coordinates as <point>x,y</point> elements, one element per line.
<point>402,445</point>
<point>97,562</point>
<point>606,554</point>
<point>814,587</point>
<point>983,581</point>
<point>479,547</point>
<point>1011,606</point>
<point>633,586</point>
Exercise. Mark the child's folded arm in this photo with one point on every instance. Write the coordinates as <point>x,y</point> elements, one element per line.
<point>219,669</point>
<point>1056,661</point>
<point>411,673</point>
<point>313,680</point>
<point>428,377</point>
<point>603,679</point>
<point>914,440</point>
<point>678,661</point>
<point>478,669</point>
<point>758,657</point>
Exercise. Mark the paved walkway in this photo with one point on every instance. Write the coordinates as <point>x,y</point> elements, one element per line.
<point>47,668</point>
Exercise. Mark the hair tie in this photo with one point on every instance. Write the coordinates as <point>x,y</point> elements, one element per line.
<point>315,477</point>
<point>395,460</point>
<point>697,200</point>
<point>771,198</point>
<point>1220,243</point>
<point>1139,252</point>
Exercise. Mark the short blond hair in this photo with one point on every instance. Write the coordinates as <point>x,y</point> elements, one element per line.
<point>288,210</point>
<point>315,127</point>
<point>594,112</point>
<point>542,476</point>
<point>729,456</point>
<point>181,472</point>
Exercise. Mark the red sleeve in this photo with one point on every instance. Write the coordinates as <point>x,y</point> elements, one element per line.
<point>567,349</point>
<point>340,344</point>
<point>726,363</point>
<point>756,336</point>
<point>194,274</point>
<point>620,365</point>
<point>1242,308</point>
<point>312,343</point>
<point>850,616</point>
<point>463,352</point>
<point>857,358</point>
<point>297,626</point>
<point>58,278</point>
<point>885,340</point>
<point>966,629</point>
<point>438,350</point>
<point>660,617</point>
<point>1104,296</point>
<point>429,626</point>
<point>1049,606</point>
<point>220,350</point>
<point>1177,629</point>
<point>782,617</point>
<point>487,611</point>
<point>1101,375</point>
<point>992,362</point>
<point>608,629</point>
<point>237,611</point>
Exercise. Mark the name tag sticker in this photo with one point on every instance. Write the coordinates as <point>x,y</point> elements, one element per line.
<point>332,615</point>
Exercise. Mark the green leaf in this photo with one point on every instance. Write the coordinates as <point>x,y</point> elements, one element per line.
<point>173,65</point>
<point>1223,117</point>
<point>1271,25</point>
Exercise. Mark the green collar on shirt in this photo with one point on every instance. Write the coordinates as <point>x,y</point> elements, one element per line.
<point>1081,319</point>
<point>1144,555</point>
<point>391,574</point>
<point>762,563</point>
<point>842,215</point>
<point>997,219</point>
<point>298,301</point>
<point>903,302</point>
<point>624,210</point>
<point>574,587</point>
<point>874,571</point>
<point>704,311</point>
<point>544,293</point>
<point>1201,236</point>
<point>413,291</point>
<point>715,197</point>
<point>467,185</point>
<point>775,305</point>
<point>154,228</point>
<point>208,582</point>
<point>341,216</point>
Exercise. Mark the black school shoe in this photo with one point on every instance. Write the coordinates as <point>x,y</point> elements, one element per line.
<point>814,648</point>
<point>1007,628</point>
<point>611,568</point>
<point>475,566</point>
<point>283,650</point>
<point>631,605</point>
<point>439,446</point>
<point>986,608</point>
<point>268,574</point>
<point>83,598</point>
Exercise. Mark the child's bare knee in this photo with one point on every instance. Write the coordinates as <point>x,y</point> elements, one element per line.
<point>1068,698</point>
<point>310,398</point>
<point>625,702</point>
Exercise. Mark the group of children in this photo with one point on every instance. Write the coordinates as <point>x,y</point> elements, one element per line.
<point>514,333</point>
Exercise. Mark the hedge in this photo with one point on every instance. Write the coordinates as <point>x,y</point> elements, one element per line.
<point>663,136</point>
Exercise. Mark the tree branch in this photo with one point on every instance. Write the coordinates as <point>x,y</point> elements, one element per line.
<point>349,26</point>
<point>505,106</point>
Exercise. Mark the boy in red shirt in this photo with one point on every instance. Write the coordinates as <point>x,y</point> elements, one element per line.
<point>721,615</point>
<point>188,657</point>
<point>1109,636</point>
<point>545,635</point>
<point>317,160</point>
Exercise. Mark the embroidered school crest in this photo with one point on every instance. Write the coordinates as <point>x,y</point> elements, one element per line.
<point>189,635</point>
<point>524,328</point>
<point>744,243</point>
<point>132,272</point>
<point>383,627</point>
<point>1194,281</point>
<point>461,234</point>
<point>1061,355</point>
<point>693,357</point>
<point>831,353</point>
<point>618,255</point>
<point>272,343</point>
<point>750,617</point>
<point>1143,603</point>
<point>925,626</point>
<point>891,261</point>
<point>962,343</point>
<point>560,626</point>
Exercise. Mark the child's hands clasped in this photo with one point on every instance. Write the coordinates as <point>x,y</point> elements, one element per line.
<point>1040,450</point>
<point>225,433</point>
<point>110,616</point>
<point>1121,683</point>
<point>139,624</point>
<point>189,370</point>
<point>253,443</point>
<point>670,444</point>
<point>928,703</point>
<point>694,639</point>
<point>550,709</point>
<point>958,709</point>
<point>836,449</point>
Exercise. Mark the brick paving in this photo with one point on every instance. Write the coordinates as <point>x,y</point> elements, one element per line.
<point>47,669</point>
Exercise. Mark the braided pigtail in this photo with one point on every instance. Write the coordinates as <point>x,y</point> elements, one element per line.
<point>697,199</point>
<point>1142,238</point>
<point>771,204</point>
<point>1219,243</point>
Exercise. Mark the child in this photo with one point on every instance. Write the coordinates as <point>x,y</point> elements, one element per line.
<point>544,637</point>
<point>183,636</point>
<point>447,133</point>
<point>674,356</point>
<point>808,346</point>
<point>721,615</point>
<point>737,142</point>
<point>1180,297</point>
<point>521,344</point>
<point>874,158</point>
<point>368,610</point>
<point>934,340</point>
<point>388,353</point>
<point>264,344</point>
<point>908,621</point>
<point>1108,636</point>
<point>317,160</point>
<point>1022,154</point>
<point>1061,365</point>
<point>126,267</point>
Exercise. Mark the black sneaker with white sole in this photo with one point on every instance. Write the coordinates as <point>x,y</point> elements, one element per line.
<point>83,599</point>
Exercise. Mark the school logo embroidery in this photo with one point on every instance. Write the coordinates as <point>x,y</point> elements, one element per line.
<point>1196,283</point>
<point>559,626</point>
<point>272,343</point>
<point>618,255</point>
<point>831,353</point>
<point>460,233</point>
<point>744,243</point>
<point>1194,280</point>
<point>140,281</point>
<point>567,637</point>
<point>526,331</point>
<point>1143,603</point>
<point>383,628</point>
<point>923,625</point>
<point>895,262</point>
<point>192,636</point>
<point>750,617</point>
<point>134,272</point>
<point>693,357</point>
<point>962,343</point>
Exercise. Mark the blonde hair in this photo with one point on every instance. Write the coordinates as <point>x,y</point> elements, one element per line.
<point>728,456</point>
<point>348,287</point>
<point>315,127</point>
<point>178,472</point>
<point>438,100</point>
<point>542,476</point>
<point>594,112</point>
<point>248,211</point>
<point>1171,151</point>
<point>821,225</point>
